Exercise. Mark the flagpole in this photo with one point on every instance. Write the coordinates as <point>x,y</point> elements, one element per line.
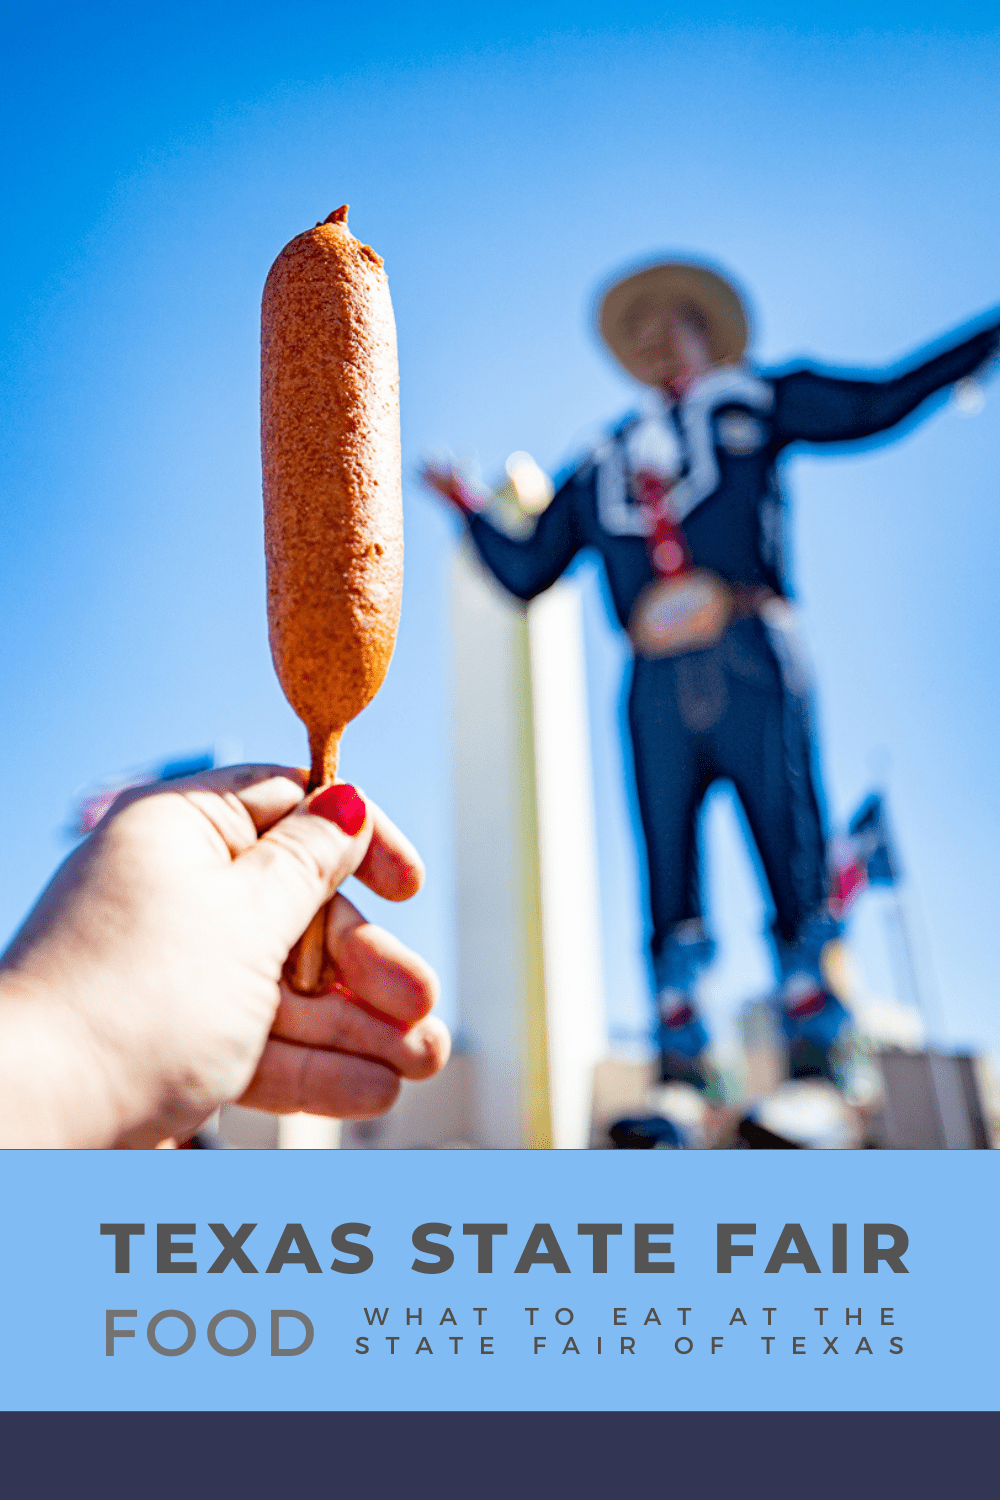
<point>902,952</point>
<point>904,959</point>
<point>921,981</point>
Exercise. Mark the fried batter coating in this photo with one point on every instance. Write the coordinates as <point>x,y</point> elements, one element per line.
<point>333,519</point>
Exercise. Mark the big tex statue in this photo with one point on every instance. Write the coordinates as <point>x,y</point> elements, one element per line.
<point>685,508</point>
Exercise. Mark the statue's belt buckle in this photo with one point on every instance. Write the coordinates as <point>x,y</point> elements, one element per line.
<point>674,615</point>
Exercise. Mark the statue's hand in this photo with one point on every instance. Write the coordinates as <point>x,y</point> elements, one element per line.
<point>453,486</point>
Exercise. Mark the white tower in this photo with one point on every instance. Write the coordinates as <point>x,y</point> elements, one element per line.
<point>531,988</point>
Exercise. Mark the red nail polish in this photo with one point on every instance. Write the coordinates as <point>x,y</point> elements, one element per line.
<point>340,804</point>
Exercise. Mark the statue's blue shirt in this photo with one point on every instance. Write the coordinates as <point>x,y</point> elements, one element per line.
<point>728,435</point>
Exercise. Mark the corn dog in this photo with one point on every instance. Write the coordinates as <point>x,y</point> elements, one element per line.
<point>333,521</point>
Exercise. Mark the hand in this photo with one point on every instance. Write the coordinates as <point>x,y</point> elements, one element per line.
<point>454,486</point>
<point>144,989</point>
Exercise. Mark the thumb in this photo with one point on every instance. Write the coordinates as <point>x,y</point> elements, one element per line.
<point>298,864</point>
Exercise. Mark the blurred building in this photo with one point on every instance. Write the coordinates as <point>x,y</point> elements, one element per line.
<point>912,1096</point>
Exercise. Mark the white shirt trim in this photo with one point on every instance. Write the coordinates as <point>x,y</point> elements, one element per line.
<point>727,383</point>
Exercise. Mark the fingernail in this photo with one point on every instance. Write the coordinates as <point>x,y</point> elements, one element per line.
<point>340,804</point>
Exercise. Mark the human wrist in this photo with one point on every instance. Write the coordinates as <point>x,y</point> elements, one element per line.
<point>54,1091</point>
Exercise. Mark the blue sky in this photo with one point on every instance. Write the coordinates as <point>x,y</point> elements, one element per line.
<point>503,162</point>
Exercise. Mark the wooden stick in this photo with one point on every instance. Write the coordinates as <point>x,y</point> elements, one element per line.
<point>309,961</point>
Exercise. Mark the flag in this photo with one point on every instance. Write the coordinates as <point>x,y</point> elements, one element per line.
<point>864,855</point>
<point>92,806</point>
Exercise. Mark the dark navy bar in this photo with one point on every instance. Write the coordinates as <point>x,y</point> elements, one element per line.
<point>825,1455</point>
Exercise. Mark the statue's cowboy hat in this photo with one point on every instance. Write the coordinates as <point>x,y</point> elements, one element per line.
<point>697,291</point>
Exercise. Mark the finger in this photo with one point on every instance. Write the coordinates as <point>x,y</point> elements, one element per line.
<point>335,1023</point>
<point>392,868</point>
<point>246,801</point>
<point>240,802</point>
<point>291,1079</point>
<point>288,874</point>
<point>268,793</point>
<point>377,967</point>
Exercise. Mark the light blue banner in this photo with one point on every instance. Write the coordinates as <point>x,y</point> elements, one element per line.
<point>637,1336</point>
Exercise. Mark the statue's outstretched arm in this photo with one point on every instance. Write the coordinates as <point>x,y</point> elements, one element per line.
<point>817,407</point>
